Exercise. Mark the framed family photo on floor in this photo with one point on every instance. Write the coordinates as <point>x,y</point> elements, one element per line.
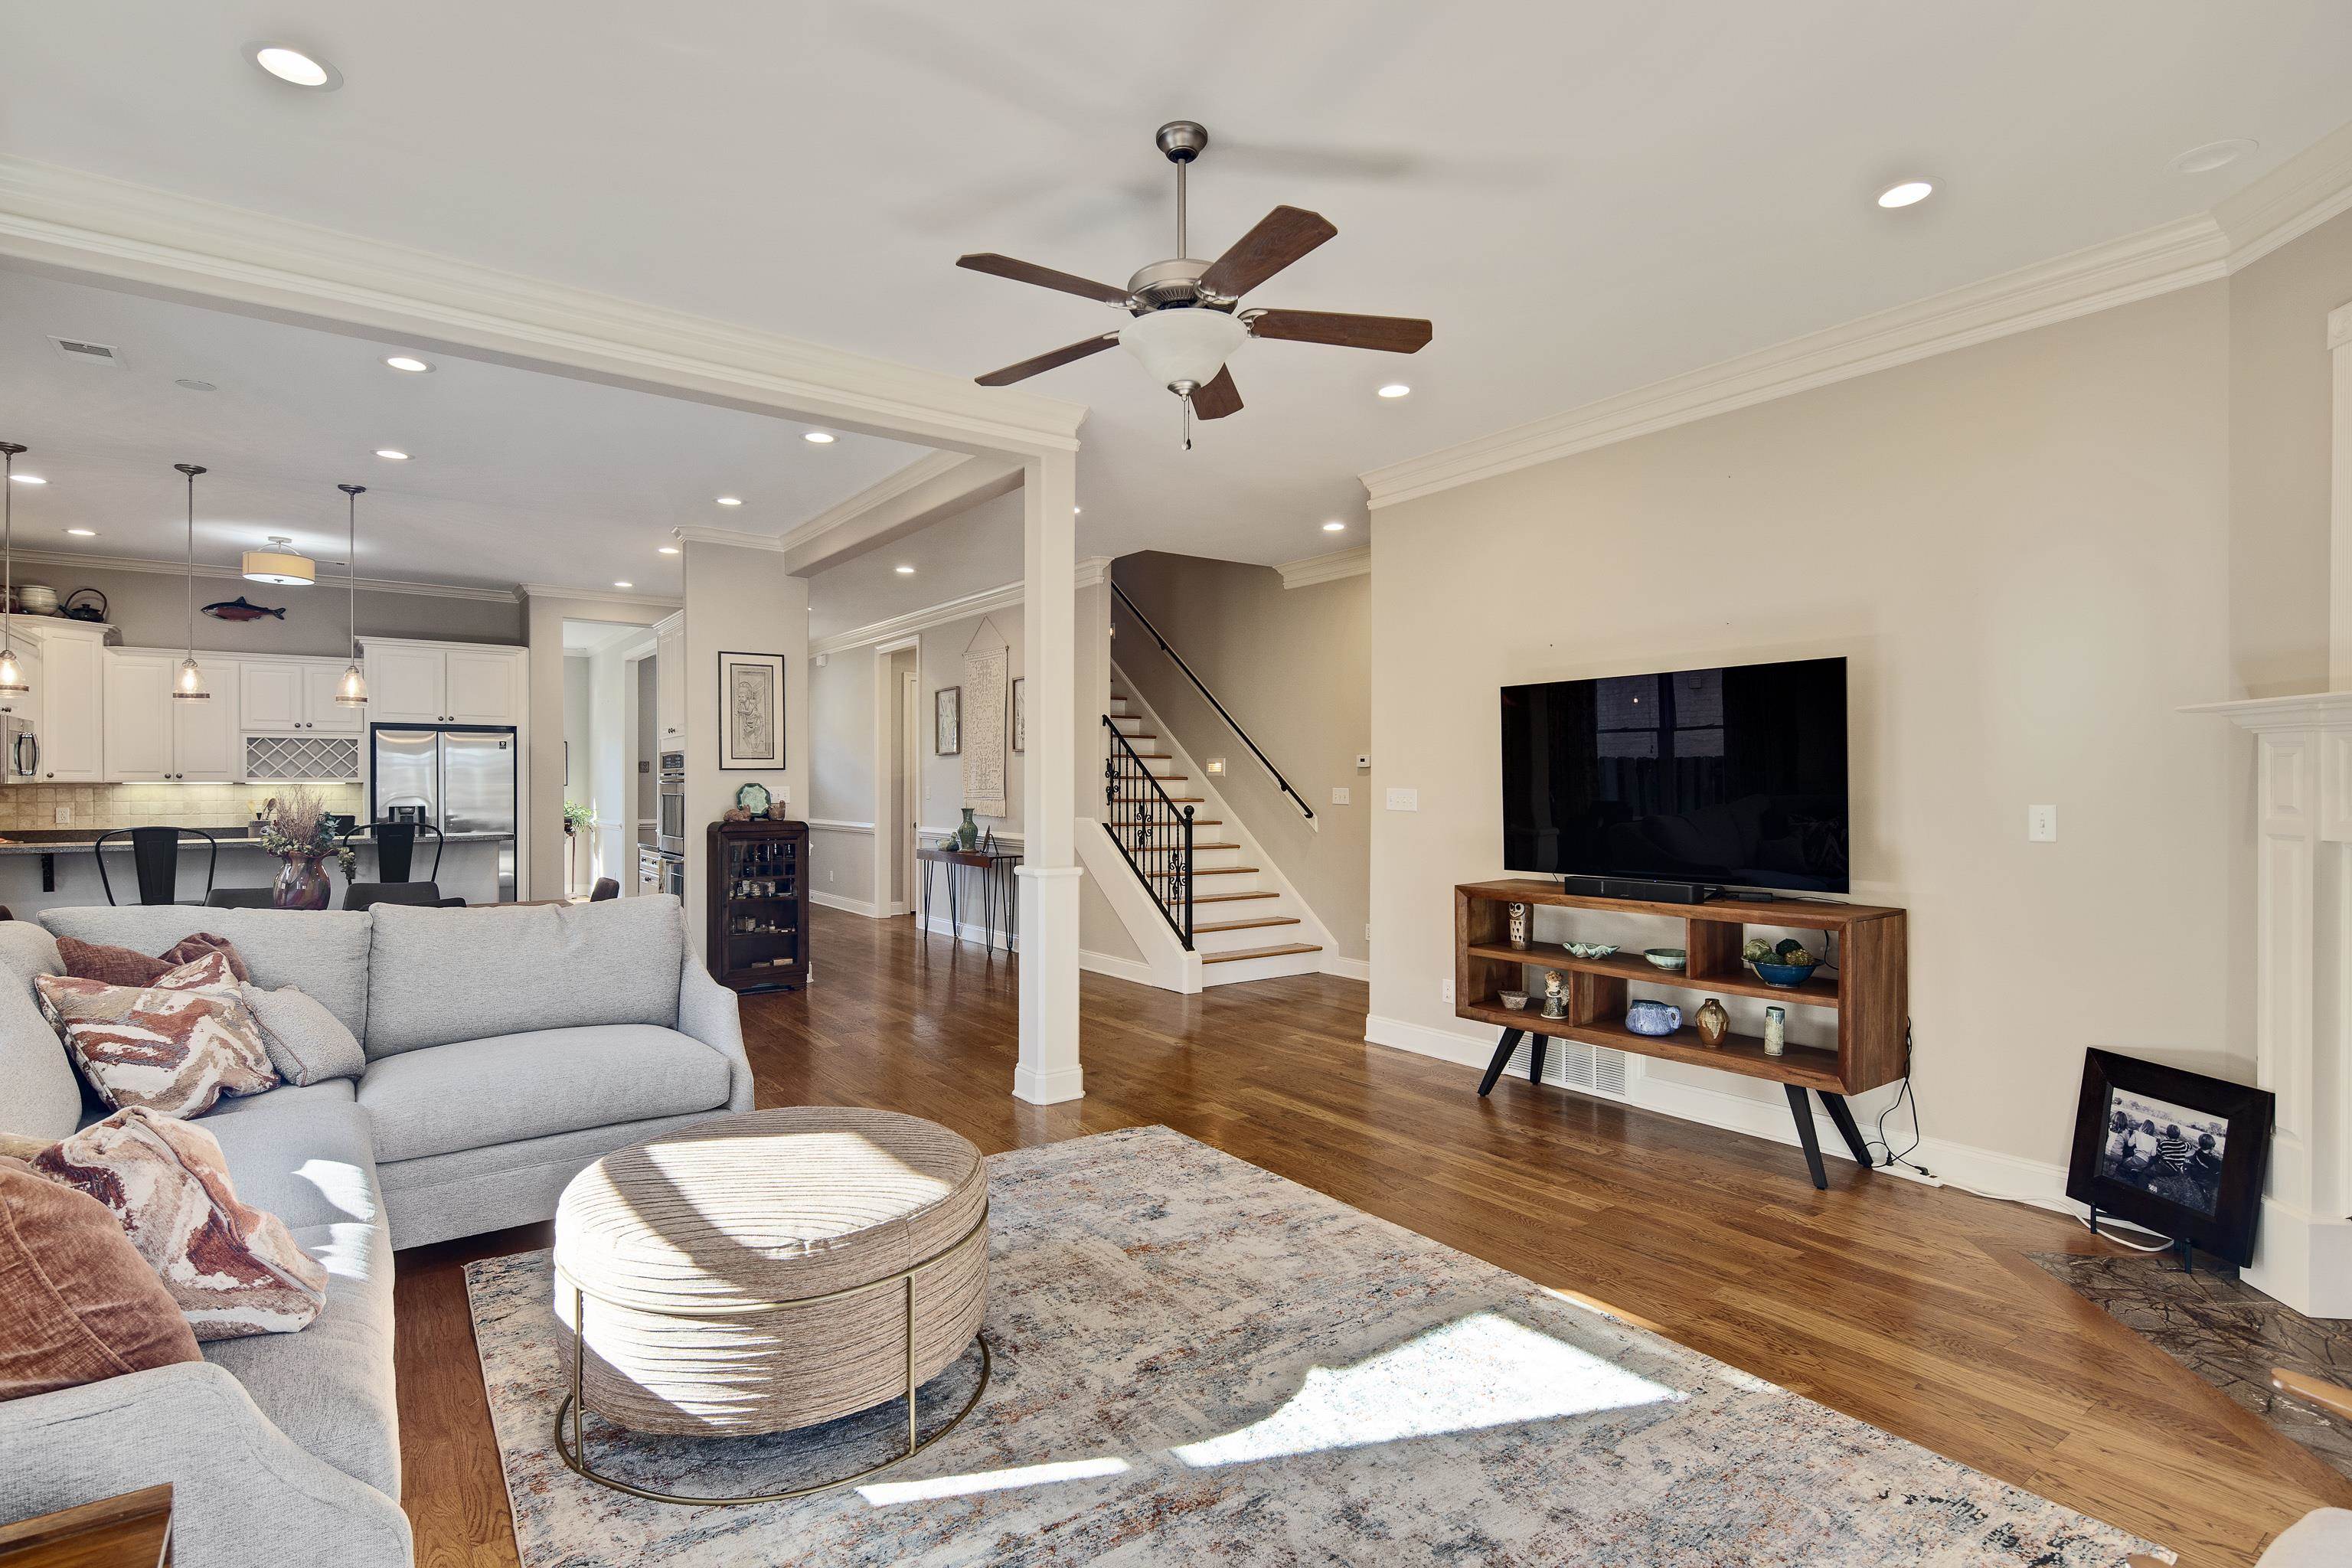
<point>2172,1152</point>
<point>752,711</point>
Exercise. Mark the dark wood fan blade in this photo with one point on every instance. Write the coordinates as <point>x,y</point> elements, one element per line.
<point>1029,367</point>
<point>1043,277</point>
<point>1281,237</point>
<point>1219,397</point>
<point>1391,334</point>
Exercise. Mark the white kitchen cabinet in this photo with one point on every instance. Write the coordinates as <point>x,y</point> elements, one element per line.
<point>670,680</point>
<point>270,698</point>
<point>66,665</point>
<point>320,711</point>
<point>481,686</point>
<point>150,734</point>
<point>417,683</point>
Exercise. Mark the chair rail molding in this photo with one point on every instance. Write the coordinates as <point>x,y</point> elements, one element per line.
<point>265,264</point>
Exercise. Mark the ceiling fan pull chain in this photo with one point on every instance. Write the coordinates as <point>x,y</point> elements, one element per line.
<point>1187,427</point>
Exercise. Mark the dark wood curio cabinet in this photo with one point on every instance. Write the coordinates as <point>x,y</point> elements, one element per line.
<point>757,888</point>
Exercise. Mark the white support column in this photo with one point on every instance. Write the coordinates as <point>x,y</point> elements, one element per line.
<point>1048,1070</point>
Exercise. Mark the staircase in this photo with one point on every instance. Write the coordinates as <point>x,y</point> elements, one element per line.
<point>1247,922</point>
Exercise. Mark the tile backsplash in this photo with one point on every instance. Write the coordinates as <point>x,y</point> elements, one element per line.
<point>103,806</point>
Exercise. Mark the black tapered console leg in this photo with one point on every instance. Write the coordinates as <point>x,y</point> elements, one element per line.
<point>1502,1055</point>
<point>1800,1108</point>
<point>1843,1114</point>
<point>1536,1045</point>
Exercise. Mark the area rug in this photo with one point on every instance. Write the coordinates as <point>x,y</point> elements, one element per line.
<point>1196,1360</point>
<point>2227,1332</point>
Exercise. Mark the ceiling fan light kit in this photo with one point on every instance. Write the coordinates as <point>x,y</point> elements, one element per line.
<point>1186,320</point>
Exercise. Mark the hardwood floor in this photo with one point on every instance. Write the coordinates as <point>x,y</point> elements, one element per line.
<point>1908,1307</point>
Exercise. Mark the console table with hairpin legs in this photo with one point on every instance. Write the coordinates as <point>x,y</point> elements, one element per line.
<point>998,886</point>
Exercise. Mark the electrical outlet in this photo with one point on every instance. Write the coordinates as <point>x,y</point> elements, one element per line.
<point>1339,795</point>
<point>1404,800</point>
<point>1446,992</point>
<point>2041,824</point>
<point>65,816</point>
<point>1363,762</point>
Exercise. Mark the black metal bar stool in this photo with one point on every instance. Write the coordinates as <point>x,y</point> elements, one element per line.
<point>395,848</point>
<point>155,854</point>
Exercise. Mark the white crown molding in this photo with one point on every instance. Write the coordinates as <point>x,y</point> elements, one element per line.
<point>602,595</point>
<point>2193,250</point>
<point>1091,571</point>
<point>939,615</point>
<point>2289,201</point>
<point>1311,569</point>
<point>884,491</point>
<point>88,223</point>
<point>78,561</point>
<point>733,538</point>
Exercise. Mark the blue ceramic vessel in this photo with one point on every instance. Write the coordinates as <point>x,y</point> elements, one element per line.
<point>1785,975</point>
<point>1648,1017</point>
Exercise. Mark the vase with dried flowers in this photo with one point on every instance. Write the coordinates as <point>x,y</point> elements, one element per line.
<point>298,828</point>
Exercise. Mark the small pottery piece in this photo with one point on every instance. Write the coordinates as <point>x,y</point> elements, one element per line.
<point>1670,959</point>
<point>1648,1017</point>
<point>732,813</point>
<point>1590,949</point>
<point>300,885</point>
<point>1713,1023</point>
<point>1555,994</point>
<point>1776,1031</point>
<point>1517,1001</point>
<point>1518,925</point>
<point>968,835</point>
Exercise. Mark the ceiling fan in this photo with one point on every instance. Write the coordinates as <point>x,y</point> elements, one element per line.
<point>1187,318</point>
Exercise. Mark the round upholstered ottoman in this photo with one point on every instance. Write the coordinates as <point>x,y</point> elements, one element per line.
<point>762,1271</point>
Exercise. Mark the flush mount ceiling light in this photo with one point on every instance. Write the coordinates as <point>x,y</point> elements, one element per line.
<point>730,500</point>
<point>2213,154</point>
<point>295,67</point>
<point>1335,527</point>
<point>281,564</point>
<point>821,438</point>
<point>1909,193</point>
<point>392,454</point>
<point>1396,389</point>
<point>83,532</point>
<point>410,364</point>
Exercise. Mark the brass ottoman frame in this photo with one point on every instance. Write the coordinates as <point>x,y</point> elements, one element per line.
<point>573,1444</point>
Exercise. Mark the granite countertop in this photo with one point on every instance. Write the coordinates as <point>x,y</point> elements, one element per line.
<point>76,840</point>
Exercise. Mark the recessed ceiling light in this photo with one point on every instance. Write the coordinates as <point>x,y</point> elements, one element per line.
<point>1910,192</point>
<point>668,550</point>
<point>192,384</point>
<point>1077,510</point>
<point>83,532</point>
<point>821,438</point>
<point>28,478</point>
<point>1335,527</point>
<point>622,585</point>
<point>2213,154</point>
<point>730,500</point>
<point>408,362</point>
<point>1396,389</point>
<point>291,66</point>
<point>392,454</point>
<point>905,571</point>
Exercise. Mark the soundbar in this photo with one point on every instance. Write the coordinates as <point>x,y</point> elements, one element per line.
<point>1636,887</point>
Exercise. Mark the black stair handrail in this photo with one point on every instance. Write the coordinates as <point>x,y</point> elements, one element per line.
<point>1151,831</point>
<point>1201,686</point>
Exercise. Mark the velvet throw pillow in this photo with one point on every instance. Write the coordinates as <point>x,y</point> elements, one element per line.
<point>233,1268</point>
<point>307,1043</point>
<point>77,1304</point>
<point>128,966</point>
<point>175,1046</point>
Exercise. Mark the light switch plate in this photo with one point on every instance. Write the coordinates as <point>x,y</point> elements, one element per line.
<point>1339,795</point>
<point>1404,800</point>
<point>2041,824</point>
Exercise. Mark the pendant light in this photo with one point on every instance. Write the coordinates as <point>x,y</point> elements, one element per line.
<point>12,675</point>
<point>188,685</point>
<point>350,691</point>
<point>280,564</point>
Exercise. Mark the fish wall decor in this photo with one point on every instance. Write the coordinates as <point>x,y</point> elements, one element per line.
<point>240,609</point>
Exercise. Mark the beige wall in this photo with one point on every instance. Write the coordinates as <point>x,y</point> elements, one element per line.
<point>2023,548</point>
<point>1293,666</point>
<point>2279,459</point>
<point>841,763</point>
<point>151,610</point>
<point>545,615</point>
<point>941,664</point>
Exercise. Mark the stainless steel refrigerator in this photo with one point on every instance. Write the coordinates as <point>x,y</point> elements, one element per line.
<point>462,778</point>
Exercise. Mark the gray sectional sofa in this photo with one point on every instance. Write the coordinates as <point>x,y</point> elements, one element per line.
<point>506,1049</point>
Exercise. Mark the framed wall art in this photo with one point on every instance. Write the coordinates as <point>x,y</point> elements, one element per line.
<point>752,711</point>
<point>1020,714</point>
<point>947,722</point>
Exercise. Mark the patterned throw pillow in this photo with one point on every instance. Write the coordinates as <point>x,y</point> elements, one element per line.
<point>176,1045</point>
<point>128,966</point>
<point>234,1270</point>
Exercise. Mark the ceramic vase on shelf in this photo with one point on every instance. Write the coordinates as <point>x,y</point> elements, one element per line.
<point>1518,925</point>
<point>1713,1023</point>
<point>300,885</point>
<point>1776,1031</point>
<point>968,835</point>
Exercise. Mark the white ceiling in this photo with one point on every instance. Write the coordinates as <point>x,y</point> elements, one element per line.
<point>513,476</point>
<point>1585,196</point>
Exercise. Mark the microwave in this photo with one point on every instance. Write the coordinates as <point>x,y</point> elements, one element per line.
<point>20,748</point>
<point>669,827</point>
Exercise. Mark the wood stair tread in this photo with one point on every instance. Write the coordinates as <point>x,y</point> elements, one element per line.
<point>1231,898</point>
<point>1240,953</point>
<point>1245,925</point>
<point>1213,871</point>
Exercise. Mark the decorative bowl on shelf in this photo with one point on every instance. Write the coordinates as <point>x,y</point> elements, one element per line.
<point>1783,965</point>
<point>1784,975</point>
<point>1590,949</point>
<point>1670,959</point>
<point>1517,1001</point>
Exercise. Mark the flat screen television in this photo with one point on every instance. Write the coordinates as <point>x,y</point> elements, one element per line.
<point>1732,777</point>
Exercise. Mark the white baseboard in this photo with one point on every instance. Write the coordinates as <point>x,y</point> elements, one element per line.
<point>854,906</point>
<point>1129,969</point>
<point>1984,1171</point>
<point>1348,968</point>
<point>970,931</point>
